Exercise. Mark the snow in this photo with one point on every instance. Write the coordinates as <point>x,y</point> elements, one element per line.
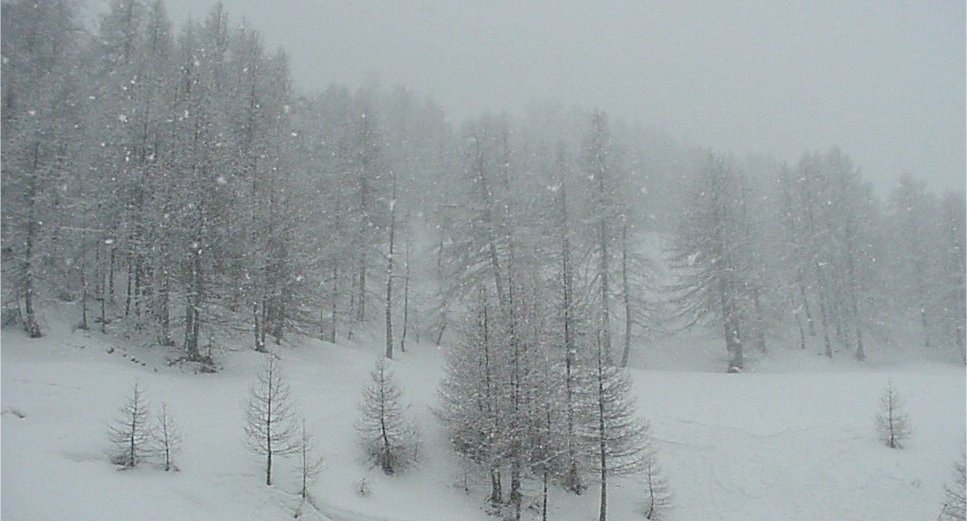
<point>785,440</point>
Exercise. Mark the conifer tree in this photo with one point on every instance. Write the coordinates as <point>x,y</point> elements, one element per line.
<point>892,421</point>
<point>130,431</point>
<point>388,438</point>
<point>166,437</point>
<point>270,428</point>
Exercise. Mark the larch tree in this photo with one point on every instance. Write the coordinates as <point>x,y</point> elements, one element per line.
<point>892,421</point>
<point>166,438</point>
<point>131,431</point>
<point>388,438</point>
<point>955,495</point>
<point>599,167</point>
<point>270,426</point>
<point>616,436</point>
<point>39,138</point>
<point>706,254</point>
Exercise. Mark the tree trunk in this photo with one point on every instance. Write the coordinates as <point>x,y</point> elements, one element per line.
<point>626,290</point>
<point>84,325</point>
<point>361,288</point>
<point>193,304</point>
<point>164,334</point>
<point>406,296</point>
<point>730,322</point>
<point>823,314</point>
<point>334,302</point>
<point>602,446</point>
<point>573,477</point>
<point>31,326</point>
<point>544,496</point>
<point>389,275</point>
<point>604,327</point>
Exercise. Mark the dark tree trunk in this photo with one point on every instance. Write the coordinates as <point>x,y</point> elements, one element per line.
<point>406,297</point>
<point>626,290</point>
<point>31,326</point>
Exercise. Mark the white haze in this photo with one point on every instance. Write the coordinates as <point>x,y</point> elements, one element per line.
<point>883,80</point>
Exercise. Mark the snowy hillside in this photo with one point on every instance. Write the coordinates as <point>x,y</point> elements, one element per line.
<point>798,445</point>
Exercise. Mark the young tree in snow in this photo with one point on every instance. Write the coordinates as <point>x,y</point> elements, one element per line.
<point>955,504</point>
<point>130,432</point>
<point>389,439</point>
<point>658,497</point>
<point>892,421</point>
<point>617,437</point>
<point>310,465</point>
<point>166,438</point>
<point>270,429</point>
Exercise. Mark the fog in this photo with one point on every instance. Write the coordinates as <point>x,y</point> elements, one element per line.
<point>883,80</point>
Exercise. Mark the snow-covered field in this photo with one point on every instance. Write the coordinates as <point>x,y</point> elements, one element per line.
<point>791,439</point>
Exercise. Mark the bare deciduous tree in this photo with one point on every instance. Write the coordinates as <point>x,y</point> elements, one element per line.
<point>955,497</point>
<point>270,428</point>
<point>892,421</point>
<point>167,438</point>
<point>130,432</point>
<point>658,497</point>
<point>311,465</point>
<point>388,438</point>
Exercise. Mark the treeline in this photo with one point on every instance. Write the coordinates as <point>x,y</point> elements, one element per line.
<point>173,184</point>
<point>775,252</point>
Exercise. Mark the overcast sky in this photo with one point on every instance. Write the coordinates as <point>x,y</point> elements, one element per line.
<point>884,80</point>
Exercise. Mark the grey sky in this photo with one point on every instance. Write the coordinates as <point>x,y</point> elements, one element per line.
<point>884,80</point>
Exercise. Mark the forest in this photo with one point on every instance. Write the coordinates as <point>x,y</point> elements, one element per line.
<point>181,191</point>
<point>181,177</point>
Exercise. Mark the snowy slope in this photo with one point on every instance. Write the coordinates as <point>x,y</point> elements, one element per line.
<point>782,443</point>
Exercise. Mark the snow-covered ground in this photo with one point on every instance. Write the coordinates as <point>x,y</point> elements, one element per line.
<point>791,439</point>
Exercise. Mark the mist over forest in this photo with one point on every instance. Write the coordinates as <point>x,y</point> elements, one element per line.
<point>170,186</point>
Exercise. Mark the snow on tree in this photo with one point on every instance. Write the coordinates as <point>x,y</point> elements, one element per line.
<point>469,403</point>
<point>387,437</point>
<point>615,435</point>
<point>955,496</point>
<point>599,166</point>
<point>658,496</point>
<point>40,140</point>
<point>310,465</point>
<point>270,425</point>
<point>131,432</point>
<point>708,255</point>
<point>953,293</point>
<point>166,438</point>
<point>892,421</point>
